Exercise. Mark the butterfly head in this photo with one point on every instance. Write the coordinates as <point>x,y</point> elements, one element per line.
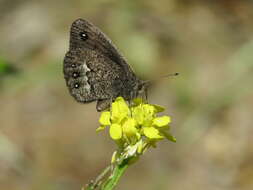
<point>141,88</point>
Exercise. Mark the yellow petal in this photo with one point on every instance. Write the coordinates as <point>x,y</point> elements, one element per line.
<point>129,127</point>
<point>105,118</point>
<point>148,109</point>
<point>138,114</point>
<point>115,131</point>
<point>119,110</point>
<point>161,121</point>
<point>152,133</point>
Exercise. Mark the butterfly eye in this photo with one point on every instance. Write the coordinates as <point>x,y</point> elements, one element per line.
<point>83,36</point>
<point>76,85</point>
<point>75,75</point>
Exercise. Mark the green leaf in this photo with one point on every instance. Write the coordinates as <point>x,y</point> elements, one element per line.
<point>114,157</point>
<point>168,136</point>
<point>137,101</point>
<point>100,128</point>
<point>158,108</point>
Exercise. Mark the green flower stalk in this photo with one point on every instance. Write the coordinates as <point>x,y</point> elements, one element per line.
<point>134,129</point>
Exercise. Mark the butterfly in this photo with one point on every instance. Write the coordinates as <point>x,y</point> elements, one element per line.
<point>95,70</point>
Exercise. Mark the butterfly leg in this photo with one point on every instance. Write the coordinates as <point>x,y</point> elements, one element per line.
<point>130,101</point>
<point>146,94</point>
<point>143,94</point>
<point>111,100</point>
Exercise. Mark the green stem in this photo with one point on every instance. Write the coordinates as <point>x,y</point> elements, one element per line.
<point>117,173</point>
<point>93,185</point>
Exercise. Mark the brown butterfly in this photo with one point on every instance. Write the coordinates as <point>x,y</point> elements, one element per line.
<point>94,69</point>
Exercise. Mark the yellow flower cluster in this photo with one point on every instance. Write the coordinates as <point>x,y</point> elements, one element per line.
<point>135,128</point>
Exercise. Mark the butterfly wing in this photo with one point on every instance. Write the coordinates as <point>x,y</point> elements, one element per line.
<point>93,68</point>
<point>84,35</point>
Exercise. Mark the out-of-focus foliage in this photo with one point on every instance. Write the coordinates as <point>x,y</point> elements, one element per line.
<point>6,68</point>
<point>48,141</point>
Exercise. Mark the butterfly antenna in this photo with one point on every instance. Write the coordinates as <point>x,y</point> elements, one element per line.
<point>165,76</point>
<point>169,75</point>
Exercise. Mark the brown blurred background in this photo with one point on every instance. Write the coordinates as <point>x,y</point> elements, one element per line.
<point>48,141</point>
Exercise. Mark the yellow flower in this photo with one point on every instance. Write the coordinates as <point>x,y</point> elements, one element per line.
<point>136,127</point>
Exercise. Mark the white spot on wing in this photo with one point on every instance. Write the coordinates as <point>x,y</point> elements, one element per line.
<point>87,85</point>
<point>86,68</point>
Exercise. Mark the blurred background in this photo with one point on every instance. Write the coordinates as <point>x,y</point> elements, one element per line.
<point>48,141</point>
